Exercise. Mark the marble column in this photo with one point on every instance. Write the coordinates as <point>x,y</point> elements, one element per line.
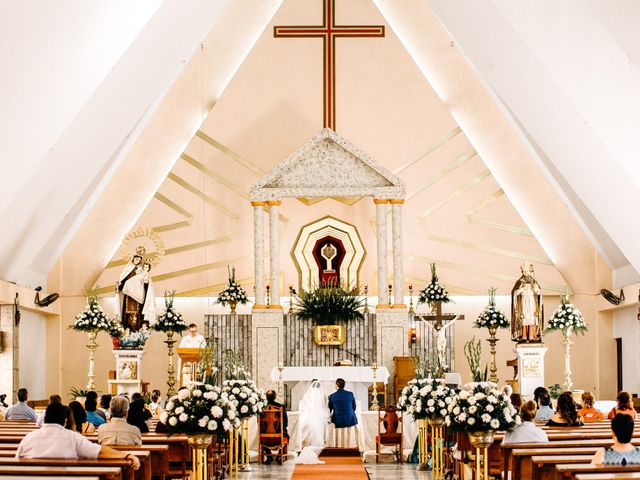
<point>398,272</point>
<point>381,228</point>
<point>9,353</point>
<point>274,251</point>
<point>258,251</point>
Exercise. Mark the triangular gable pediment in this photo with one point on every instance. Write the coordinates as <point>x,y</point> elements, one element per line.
<point>328,166</point>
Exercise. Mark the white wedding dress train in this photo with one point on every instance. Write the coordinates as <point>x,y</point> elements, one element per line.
<point>314,415</point>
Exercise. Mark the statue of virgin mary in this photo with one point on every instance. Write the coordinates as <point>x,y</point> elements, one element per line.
<point>135,296</point>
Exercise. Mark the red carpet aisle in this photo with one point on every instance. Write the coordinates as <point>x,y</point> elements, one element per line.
<point>342,468</point>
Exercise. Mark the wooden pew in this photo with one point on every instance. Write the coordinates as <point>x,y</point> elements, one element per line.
<point>522,457</point>
<point>567,471</point>
<point>544,466</point>
<point>127,472</point>
<point>103,473</point>
<point>608,476</point>
<point>40,477</point>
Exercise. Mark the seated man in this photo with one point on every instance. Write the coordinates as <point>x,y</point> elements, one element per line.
<point>545,412</point>
<point>342,405</point>
<point>21,411</point>
<point>55,441</point>
<point>271,402</point>
<point>118,431</point>
<point>52,399</point>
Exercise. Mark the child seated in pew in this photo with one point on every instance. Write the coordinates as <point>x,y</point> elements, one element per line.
<point>566,414</point>
<point>545,412</point>
<point>624,406</point>
<point>588,412</point>
<point>527,431</point>
<point>622,452</point>
<point>53,440</point>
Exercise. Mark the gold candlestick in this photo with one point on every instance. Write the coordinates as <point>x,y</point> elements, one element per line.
<point>92,345</point>
<point>366,299</point>
<point>280,369</point>
<point>374,402</point>
<point>268,289</point>
<point>411,309</point>
<point>171,378</point>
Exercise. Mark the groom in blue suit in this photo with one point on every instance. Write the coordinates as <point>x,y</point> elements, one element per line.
<point>342,405</point>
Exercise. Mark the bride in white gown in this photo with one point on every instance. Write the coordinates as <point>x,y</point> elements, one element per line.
<point>314,415</point>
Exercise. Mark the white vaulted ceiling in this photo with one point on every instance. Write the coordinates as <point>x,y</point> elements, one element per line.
<point>567,75</point>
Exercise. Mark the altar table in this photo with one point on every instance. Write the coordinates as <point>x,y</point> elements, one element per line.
<point>357,379</point>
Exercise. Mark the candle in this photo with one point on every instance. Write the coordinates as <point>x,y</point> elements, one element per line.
<point>374,365</point>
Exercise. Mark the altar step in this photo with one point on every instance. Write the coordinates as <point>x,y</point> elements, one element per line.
<point>340,452</point>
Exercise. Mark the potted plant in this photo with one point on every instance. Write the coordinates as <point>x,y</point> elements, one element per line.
<point>325,306</point>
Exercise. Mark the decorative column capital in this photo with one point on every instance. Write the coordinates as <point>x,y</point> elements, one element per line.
<point>273,203</point>
<point>380,201</point>
<point>258,204</point>
<point>396,201</point>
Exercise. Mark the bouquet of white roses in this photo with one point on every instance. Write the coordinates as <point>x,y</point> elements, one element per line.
<point>93,318</point>
<point>248,399</point>
<point>479,407</point>
<point>434,292</point>
<point>492,317</point>
<point>566,317</point>
<point>170,320</point>
<point>233,293</point>
<point>425,398</point>
<point>200,409</point>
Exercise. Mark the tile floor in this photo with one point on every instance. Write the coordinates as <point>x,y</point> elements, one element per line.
<point>376,472</point>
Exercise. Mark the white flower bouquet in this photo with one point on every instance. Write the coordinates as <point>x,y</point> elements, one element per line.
<point>566,317</point>
<point>492,317</point>
<point>434,292</point>
<point>425,398</point>
<point>233,293</point>
<point>249,400</point>
<point>170,320</point>
<point>200,409</point>
<point>480,407</point>
<point>93,318</point>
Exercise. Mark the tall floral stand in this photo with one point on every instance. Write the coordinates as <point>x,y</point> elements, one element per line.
<point>493,367</point>
<point>171,372</point>
<point>92,345</point>
<point>423,443</point>
<point>437,464</point>
<point>482,441</point>
<point>199,445</point>
<point>244,466</point>
<point>233,451</point>
<point>566,343</point>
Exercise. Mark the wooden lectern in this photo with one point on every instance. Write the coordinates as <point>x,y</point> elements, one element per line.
<point>189,358</point>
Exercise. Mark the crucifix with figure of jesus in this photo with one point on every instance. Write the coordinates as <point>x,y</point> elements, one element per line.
<point>440,322</point>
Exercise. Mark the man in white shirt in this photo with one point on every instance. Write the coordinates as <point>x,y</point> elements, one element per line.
<point>20,410</point>
<point>55,441</point>
<point>117,431</point>
<point>194,339</point>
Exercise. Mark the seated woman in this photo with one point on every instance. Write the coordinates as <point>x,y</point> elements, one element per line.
<point>566,413</point>
<point>80,418</point>
<point>138,415</point>
<point>516,401</point>
<point>624,406</point>
<point>588,412</point>
<point>94,417</point>
<point>621,452</point>
<point>527,431</point>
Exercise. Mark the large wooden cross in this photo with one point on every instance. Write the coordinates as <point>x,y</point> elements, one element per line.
<point>329,31</point>
<point>439,320</point>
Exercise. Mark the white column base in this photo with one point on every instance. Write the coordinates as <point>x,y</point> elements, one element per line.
<point>128,371</point>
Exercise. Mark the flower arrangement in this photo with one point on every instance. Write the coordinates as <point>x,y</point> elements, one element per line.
<point>480,407</point>
<point>200,409</point>
<point>434,292</point>
<point>248,399</point>
<point>491,316</point>
<point>327,304</point>
<point>425,398</point>
<point>170,320</point>
<point>233,293</point>
<point>93,318</point>
<point>566,317</point>
<point>116,330</point>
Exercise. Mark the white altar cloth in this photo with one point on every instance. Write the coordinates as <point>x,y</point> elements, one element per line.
<point>357,379</point>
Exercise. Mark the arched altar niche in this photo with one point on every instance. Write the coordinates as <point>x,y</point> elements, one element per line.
<point>328,253</point>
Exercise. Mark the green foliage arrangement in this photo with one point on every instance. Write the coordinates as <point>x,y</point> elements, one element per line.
<point>326,305</point>
<point>473,352</point>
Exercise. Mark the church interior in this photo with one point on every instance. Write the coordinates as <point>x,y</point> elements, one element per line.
<point>321,238</point>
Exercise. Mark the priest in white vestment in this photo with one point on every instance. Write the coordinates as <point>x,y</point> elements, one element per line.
<point>193,339</point>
